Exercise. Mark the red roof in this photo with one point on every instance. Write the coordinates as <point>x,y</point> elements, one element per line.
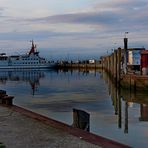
<point>144,52</point>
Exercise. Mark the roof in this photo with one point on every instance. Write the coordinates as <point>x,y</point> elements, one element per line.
<point>144,52</point>
<point>136,48</point>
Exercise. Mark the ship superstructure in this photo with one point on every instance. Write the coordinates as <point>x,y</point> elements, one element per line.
<point>30,60</point>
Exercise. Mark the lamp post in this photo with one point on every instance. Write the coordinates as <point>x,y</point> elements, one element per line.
<point>125,52</point>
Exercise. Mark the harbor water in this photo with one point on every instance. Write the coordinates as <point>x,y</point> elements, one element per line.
<point>116,114</point>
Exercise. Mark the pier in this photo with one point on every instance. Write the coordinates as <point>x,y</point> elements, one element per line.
<point>121,73</point>
<point>45,132</point>
<point>113,65</point>
<point>96,64</point>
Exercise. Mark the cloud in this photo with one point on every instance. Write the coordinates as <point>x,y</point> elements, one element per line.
<point>117,15</point>
<point>118,5</point>
<point>99,26</point>
<point>81,18</point>
<point>1,11</point>
<point>27,35</point>
<point>112,16</point>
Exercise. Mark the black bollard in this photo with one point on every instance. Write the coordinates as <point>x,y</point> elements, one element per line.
<point>81,119</point>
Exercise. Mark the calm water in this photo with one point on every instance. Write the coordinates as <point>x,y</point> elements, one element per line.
<point>56,93</point>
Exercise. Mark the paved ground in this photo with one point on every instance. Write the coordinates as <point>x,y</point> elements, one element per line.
<point>20,131</point>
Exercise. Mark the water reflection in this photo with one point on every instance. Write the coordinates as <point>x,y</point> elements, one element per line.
<point>123,100</point>
<point>30,76</point>
<point>114,113</point>
<point>144,112</point>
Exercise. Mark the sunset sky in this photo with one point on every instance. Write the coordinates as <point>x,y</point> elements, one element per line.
<point>72,27</point>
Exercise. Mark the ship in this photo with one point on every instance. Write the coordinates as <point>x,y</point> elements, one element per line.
<point>30,60</point>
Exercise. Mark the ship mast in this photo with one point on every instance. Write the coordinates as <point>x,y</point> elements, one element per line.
<point>32,50</point>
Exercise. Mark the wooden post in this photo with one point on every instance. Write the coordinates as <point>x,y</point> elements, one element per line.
<point>115,65</point>
<point>125,54</point>
<point>81,119</point>
<point>107,63</point>
<point>118,65</point>
<point>7,100</point>
<point>112,64</point>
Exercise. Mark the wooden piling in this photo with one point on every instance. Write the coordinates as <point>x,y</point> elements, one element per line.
<point>118,65</point>
<point>115,65</point>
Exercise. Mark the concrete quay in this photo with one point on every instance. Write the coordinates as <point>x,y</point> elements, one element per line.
<point>22,128</point>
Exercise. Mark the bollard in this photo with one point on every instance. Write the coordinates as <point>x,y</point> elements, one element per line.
<point>81,119</point>
<point>7,100</point>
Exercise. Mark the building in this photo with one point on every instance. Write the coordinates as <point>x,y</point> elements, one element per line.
<point>134,58</point>
<point>144,62</point>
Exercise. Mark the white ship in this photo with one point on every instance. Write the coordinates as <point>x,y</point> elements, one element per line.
<point>31,60</point>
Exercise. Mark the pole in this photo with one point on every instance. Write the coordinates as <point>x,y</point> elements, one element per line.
<point>125,52</point>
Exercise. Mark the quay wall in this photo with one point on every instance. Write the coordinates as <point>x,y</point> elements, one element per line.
<point>113,65</point>
<point>80,66</point>
<point>134,82</point>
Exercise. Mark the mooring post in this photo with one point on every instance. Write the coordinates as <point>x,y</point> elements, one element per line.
<point>125,54</point>
<point>81,119</point>
<point>112,65</point>
<point>115,65</point>
<point>118,66</point>
<point>5,99</point>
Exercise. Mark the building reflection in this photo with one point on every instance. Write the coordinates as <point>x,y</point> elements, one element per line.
<point>30,76</point>
<point>82,71</point>
<point>123,99</point>
<point>144,112</point>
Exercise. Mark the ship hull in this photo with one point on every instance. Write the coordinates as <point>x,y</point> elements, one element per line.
<point>27,66</point>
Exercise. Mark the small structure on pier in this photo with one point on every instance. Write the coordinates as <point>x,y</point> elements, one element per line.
<point>133,58</point>
<point>144,62</point>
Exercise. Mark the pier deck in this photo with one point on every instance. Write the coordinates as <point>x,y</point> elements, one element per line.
<point>22,128</point>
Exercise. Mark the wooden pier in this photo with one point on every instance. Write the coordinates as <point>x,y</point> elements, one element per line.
<point>113,65</point>
<point>86,66</point>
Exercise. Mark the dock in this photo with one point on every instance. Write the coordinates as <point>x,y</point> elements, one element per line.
<point>113,66</point>
<point>85,65</point>
<point>23,128</point>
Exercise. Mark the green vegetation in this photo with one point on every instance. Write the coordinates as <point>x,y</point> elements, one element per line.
<point>2,145</point>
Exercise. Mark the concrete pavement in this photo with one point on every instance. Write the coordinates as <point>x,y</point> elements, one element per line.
<point>21,128</point>
<point>20,131</point>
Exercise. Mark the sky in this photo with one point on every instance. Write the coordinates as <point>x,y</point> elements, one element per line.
<point>72,28</point>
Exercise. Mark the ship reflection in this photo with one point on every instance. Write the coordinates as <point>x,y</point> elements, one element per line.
<point>30,76</point>
<point>123,100</point>
<point>82,71</point>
